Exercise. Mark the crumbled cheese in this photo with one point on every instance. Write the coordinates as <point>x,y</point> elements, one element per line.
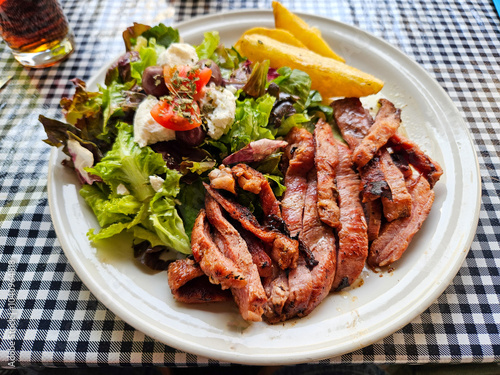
<point>156,182</point>
<point>146,130</point>
<point>178,54</point>
<point>219,107</point>
<point>122,190</point>
<point>82,158</point>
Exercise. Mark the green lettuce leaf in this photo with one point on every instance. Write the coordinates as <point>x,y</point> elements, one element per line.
<point>250,123</point>
<point>163,35</point>
<point>210,43</point>
<point>149,56</point>
<point>128,164</point>
<point>164,217</point>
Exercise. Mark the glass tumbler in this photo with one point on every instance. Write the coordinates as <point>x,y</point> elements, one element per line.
<point>37,31</point>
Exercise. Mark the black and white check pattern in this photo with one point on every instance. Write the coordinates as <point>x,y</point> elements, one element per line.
<point>60,323</point>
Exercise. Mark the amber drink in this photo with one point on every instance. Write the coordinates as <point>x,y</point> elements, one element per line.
<point>37,31</point>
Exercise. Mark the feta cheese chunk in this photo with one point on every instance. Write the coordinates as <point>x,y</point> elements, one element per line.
<point>178,54</point>
<point>122,190</point>
<point>156,182</point>
<point>146,130</point>
<point>219,107</point>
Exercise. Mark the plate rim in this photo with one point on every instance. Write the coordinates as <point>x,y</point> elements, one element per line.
<point>243,358</point>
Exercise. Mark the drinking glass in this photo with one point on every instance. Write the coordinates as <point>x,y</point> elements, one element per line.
<point>37,31</point>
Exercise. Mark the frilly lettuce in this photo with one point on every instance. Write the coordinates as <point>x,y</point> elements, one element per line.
<point>149,214</point>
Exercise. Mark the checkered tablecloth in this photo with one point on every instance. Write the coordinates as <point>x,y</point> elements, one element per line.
<point>48,317</point>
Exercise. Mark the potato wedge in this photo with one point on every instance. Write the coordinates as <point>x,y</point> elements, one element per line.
<point>280,35</point>
<point>311,37</point>
<point>330,77</point>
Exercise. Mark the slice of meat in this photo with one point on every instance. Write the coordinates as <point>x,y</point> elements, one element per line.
<point>284,249</point>
<point>300,151</point>
<point>326,160</point>
<point>277,291</point>
<point>353,120</point>
<point>300,156</point>
<point>353,236</point>
<point>222,178</point>
<point>300,284</point>
<point>399,204</point>
<point>373,215</point>
<point>396,236</point>
<point>385,126</point>
<point>429,168</point>
<point>258,252</point>
<point>243,215</point>
<point>308,287</point>
<point>253,181</point>
<point>200,290</point>
<point>214,264</point>
<point>373,182</point>
<point>401,161</point>
<point>251,298</point>
<point>321,240</point>
<point>182,271</point>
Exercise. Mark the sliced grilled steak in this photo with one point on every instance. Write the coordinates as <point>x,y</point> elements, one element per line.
<point>321,241</point>
<point>395,237</point>
<point>243,215</point>
<point>385,126</point>
<point>252,180</point>
<point>258,252</point>
<point>251,298</point>
<point>277,291</point>
<point>373,214</point>
<point>300,156</point>
<point>399,204</point>
<point>353,120</point>
<point>308,287</point>
<point>182,271</point>
<point>189,284</point>
<point>326,160</point>
<point>429,168</point>
<point>373,182</point>
<point>214,264</point>
<point>353,236</point>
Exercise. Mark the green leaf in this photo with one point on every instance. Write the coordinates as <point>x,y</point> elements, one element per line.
<point>207,48</point>
<point>149,56</point>
<point>250,123</point>
<point>164,35</point>
<point>192,200</point>
<point>164,217</point>
<point>128,164</point>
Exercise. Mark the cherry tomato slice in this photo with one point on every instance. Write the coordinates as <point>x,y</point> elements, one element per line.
<point>169,115</point>
<point>180,79</point>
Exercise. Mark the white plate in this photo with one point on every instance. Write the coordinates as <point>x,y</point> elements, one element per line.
<point>345,321</point>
